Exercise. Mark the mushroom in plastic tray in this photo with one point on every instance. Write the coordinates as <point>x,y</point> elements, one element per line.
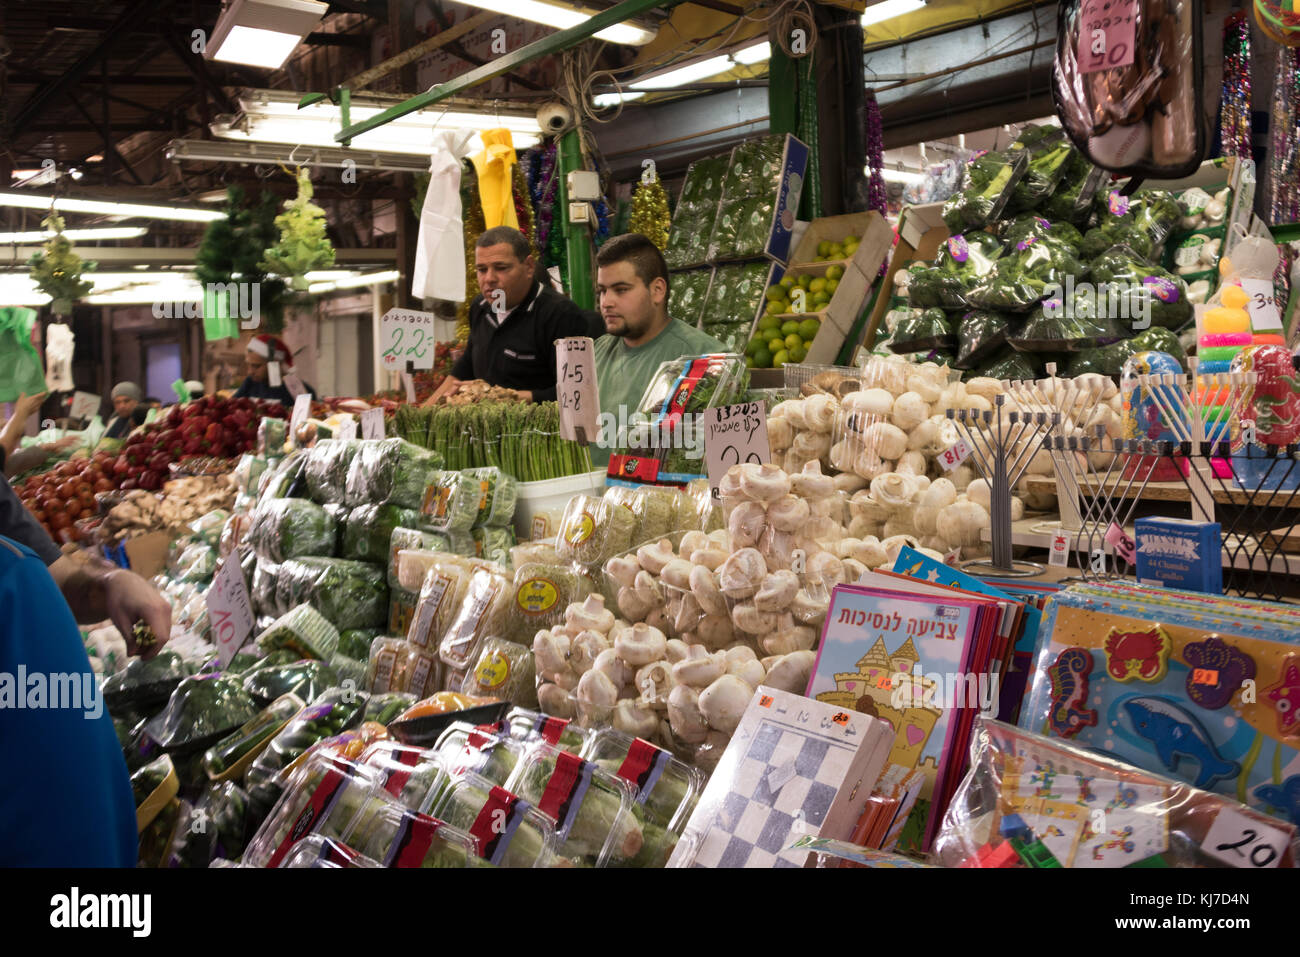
<point>424,721</point>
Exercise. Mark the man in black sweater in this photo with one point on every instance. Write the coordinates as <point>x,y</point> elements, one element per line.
<point>514,322</point>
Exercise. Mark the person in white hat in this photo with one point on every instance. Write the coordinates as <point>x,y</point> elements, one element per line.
<point>267,355</point>
<point>128,410</point>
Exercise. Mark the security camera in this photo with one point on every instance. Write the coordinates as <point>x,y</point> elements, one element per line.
<point>554,117</point>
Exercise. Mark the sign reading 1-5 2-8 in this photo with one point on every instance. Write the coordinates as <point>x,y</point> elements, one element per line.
<point>406,335</point>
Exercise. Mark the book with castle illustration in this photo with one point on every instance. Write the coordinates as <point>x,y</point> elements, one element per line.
<point>1202,689</point>
<point>916,662</point>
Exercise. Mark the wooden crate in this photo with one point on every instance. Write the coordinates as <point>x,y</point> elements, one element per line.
<point>835,228</point>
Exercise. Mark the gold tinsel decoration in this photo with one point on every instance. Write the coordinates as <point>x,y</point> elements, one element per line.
<point>650,215</point>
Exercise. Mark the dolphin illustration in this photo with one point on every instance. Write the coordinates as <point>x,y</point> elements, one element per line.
<point>1176,733</point>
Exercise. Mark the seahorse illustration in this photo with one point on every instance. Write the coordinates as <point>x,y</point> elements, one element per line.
<point>1069,674</point>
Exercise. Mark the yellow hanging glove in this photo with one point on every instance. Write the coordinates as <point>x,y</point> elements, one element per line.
<point>493,166</point>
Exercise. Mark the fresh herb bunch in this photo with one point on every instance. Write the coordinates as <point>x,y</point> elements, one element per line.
<point>303,245</point>
<point>57,271</point>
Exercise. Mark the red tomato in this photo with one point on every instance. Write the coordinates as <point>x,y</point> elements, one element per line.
<point>60,520</point>
<point>103,485</point>
<point>68,489</point>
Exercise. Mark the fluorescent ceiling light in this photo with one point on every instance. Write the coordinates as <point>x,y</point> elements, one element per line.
<point>269,116</point>
<point>614,99</point>
<point>703,69</point>
<point>262,33</point>
<point>355,281</point>
<point>562,17</point>
<point>36,177</point>
<point>247,151</point>
<point>160,286</point>
<point>888,9</point>
<point>71,204</point>
<point>90,234</point>
<point>904,176</point>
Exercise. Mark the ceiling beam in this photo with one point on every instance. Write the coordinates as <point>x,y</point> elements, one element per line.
<point>198,67</point>
<point>23,77</point>
<point>356,41</point>
<point>140,11</point>
<point>125,126</point>
<point>105,134</point>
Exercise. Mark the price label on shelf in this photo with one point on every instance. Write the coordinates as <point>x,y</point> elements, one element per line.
<point>1265,316</point>
<point>734,435</point>
<point>1107,31</point>
<point>229,610</point>
<point>1240,840</point>
<point>301,409</point>
<point>1059,554</point>
<point>372,424</point>
<point>347,429</point>
<point>85,405</point>
<point>956,455</point>
<point>575,388</point>
<point>406,335</point>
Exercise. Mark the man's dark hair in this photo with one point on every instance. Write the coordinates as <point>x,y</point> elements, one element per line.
<point>507,235</point>
<point>645,257</point>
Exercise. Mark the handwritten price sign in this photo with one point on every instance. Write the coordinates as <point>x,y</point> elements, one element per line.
<point>1107,30</point>
<point>956,455</point>
<point>1265,316</point>
<point>1239,840</point>
<point>1122,544</point>
<point>229,610</point>
<point>84,405</point>
<point>372,424</point>
<point>406,335</point>
<point>576,390</point>
<point>734,435</point>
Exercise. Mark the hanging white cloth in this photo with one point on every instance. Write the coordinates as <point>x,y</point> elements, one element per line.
<point>440,248</point>
<point>59,347</point>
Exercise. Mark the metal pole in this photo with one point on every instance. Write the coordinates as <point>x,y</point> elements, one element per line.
<point>577,240</point>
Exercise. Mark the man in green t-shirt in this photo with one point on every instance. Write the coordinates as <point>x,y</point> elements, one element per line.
<point>632,283</point>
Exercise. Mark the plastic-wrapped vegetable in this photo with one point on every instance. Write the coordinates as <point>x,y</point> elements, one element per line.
<point>498,494</point>
<point>493,544</point>
<point>400,837</point>
<point>327,467</point>
<point>593,531</point>
<point>961,262</point>
<point>401,610</point>
<point>1010,364</point>
<point>595,822</point>
<point>441,594</point>
<point>349,594</point>
<point>1025,272</point>
<point>466,749</point>
<point>207,527</point>
<point>415,540</point>
<point>271,436</point>
<point>196,563</point>
<point>317,852</point>
<point>919,329</point>
<point>484,611</point>
<point>1028,224</point>
<point>201,711</point>
<point>355,642</point>
<point>508,831</point>
<point>386,661</point>
<point>1049,156</point>
<point>321,797</point>
<point>370,530</point>
<point>686,297</point>
<point>529,727</point>
<point>504,669</point>
<point>286,528</point>
<point>987,186</point>
<point>391,470</point>
<point>227,807</point>
<point>285,480</point>
<point>263,593</point>
<point>332,713</point>
<point>666,789</point>
<point>143,685</point>
<point>1158,339</point>
<point>304,631</point>
<point>450,503</point>
<point>1106,360</point>
<point>306,679</point>
<point>541,593</point>
<point>350,671</point>
<point>1058,325</point>
<point>1072,199</point>
<point>383,708</point>
<point>1121,268</point>
<point>239,748</point>
<point>419,673</point>
<point>982,333</point>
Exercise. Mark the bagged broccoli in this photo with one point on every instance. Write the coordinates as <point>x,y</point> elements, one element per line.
<point>144,685</point>
<point>304,631</point>
<point>1072,199</point>
<point>1025,225</point>
<point>1107,360</point>
<point>1025,273</point>
<point>981,333</point>
<point>1060,325</point>
<point>390,470</point>
<point>326,470</point>
<point>305,679</point>
<point>355,642</point>
<point>1010,364</point>
<point>987,186</point>
<point>918,330</point>
<point>285,528</point>
<point>1160,340</point>
<point>1050,154</point>
<point>200,712</point>
<point>349,594</point>
<point>369,532</point>
<point>1144,285</point>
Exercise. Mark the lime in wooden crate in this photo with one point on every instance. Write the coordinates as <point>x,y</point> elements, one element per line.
<point>810,309</point>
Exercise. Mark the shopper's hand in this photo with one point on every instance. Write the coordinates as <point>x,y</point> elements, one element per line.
<point>28,405</point>
<point>64,443</point>
<point>524,395</point>
<point>129,598</point>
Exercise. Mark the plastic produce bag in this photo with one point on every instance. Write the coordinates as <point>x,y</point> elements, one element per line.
<point>483,612</point>
<point>334,712</point>
<point>982,333</point>
<point>384,708</point>
<point>441,593</point>
<point>263,592</point>
<point>401,837</point>
<point>498,495</point>
<point>504,669</point>
<point>306,679</point>
<point>201,711</point>
<point>919,329</point>
<point>415,541</point>
<point>303,631</point>
<point>687,293</point>
<point>1010,364</point>
<point>593,531</point>
<point>493,544</point>
<point>1028,224</point>
<point>349,594</point>
<point>1072,199</point>
<point>472,804</point>
<point>450,504</point>
<point>961,262</point>
<point>989,182</point>
<point>285,528</point>
<point>355,642</point>
<point>196,563</point>
<point>1107,360</point>
<point>541,593</point>
<point>1144,286</point>
<point>1143,115</point>
<point>327,467</point>
<point>143,685</point>
<point>369,531</point>
<point>1058,325</point>
<point>1036,267</point>
<point>1050,153</point>
<point>1160,340</point>
<point>391,470</point>
<point>20,364</point>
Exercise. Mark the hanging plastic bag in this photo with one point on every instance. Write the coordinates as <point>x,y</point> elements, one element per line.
<point>59,346</point>
<point>1127,84</point>
<point>20,364</point>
